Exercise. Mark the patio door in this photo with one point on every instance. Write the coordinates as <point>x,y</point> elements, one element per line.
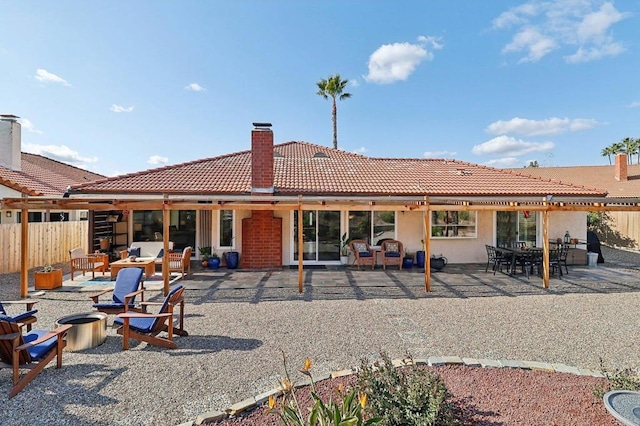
<point>320,235</point>
<point>516,227</point>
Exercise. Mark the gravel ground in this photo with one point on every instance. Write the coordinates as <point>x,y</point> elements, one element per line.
<point>233,351</point>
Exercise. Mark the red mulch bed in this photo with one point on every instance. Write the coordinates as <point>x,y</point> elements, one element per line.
<point>492,397</point>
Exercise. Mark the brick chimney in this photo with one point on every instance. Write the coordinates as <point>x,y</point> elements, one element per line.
<point>10,142</point>
<point>262,232</point>
<point>621,167</point>
<point>261,159</point>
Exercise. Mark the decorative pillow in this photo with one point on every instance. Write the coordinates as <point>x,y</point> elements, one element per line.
<point>160,254</point>
<point>134,251</point>
<point>360,247</point>
<point>391,247</point>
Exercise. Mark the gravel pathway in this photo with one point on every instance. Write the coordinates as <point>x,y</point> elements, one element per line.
<point>233,351</point>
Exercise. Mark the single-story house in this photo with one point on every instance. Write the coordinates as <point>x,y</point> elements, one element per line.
<point>621,181</point>
<point>34,176</point>
<point>288,204</point>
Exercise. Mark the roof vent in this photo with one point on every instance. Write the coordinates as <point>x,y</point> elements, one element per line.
<point>259,125</point>
<point>276,154</point>
<point>320,154</point>
<point>8,117</point>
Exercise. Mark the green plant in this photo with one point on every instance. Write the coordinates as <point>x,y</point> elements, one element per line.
<point>205,252</point>
<point>47,268</point>
<point>408,396</point>
<point>618,379</point>
<point>408,255</point>
<point>344,245</point>
<point>349,412</point>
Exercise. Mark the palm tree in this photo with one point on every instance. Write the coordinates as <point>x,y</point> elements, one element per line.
<point>606,152</point>
<point>333,88</point>
<point>629,147</point>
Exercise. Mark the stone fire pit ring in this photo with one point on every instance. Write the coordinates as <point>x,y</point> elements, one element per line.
<point>88,330</point>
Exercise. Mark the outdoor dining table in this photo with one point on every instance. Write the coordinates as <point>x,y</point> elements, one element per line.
<point>518,255</point>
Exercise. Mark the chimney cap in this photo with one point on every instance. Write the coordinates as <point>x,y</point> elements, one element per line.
<point>8,117</point>
<point>261,125</point>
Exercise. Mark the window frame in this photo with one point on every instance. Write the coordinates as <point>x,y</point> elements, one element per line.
<point>219,229</point>
<point>372,225</point>
<point>453,225</point>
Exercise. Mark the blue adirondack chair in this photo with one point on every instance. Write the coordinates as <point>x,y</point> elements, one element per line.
<point>124,291</point>
<point>25,318</point>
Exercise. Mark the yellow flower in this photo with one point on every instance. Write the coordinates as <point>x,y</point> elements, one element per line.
<point>272,402</point>
<point>362,397</point>
<point>307,367</point>
<point>286,385</point>
<point>340,387</point>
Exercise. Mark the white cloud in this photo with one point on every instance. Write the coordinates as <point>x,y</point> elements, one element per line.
<point>581,26</point>
<point>354,83</point>
<point>634,104</point>
<point>29,126</point>
<point>120,108</point>
<point>157,159</point>
<point>549,126</point>
<point>439,154</point>
<point>397,61</point>
<point>362,150</point>
<point>61,153</point>
<point>195,87</point>
<point>503,162</point>
<point>510,147</point>
<point>47,77</point>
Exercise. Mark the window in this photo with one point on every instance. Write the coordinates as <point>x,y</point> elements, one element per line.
<point>147,226</point>
<point>226,228</point>
<point>451,224</point>
<point>33,217</point>
<point>58,217</point>
<point>372,226</point>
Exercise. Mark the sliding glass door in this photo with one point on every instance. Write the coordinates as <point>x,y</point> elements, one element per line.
<point>320,234</point>
<point>514,227</point>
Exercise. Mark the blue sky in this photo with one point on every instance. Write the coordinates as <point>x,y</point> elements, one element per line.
<point>123,86</point>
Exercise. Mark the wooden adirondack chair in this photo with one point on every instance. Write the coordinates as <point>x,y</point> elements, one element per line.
<point>124,292</point>
<point>25,318</point>
<point>31,351</point>
<point>146,326</point>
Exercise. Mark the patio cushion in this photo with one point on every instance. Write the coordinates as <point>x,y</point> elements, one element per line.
<point>38,351</point>
<point>134,251</point>
<point>143,325</point>
<point>365,254</point>
<point>160,254</point>
<point>392,254</point>
<point>391,248</point>
<point>360,247</point>
<point>6,318</point>
<point>24,315</point>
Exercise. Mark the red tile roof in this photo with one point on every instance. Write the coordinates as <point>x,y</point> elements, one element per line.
<point>592,176</point>
<point>42,176</point>
<point>304,168</point>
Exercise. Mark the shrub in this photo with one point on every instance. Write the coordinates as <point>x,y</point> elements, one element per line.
<point>408,396</point>
<point>349,412</point>
<point>618,379</point>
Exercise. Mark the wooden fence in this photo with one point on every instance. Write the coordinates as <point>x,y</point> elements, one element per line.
<point>49,243</point>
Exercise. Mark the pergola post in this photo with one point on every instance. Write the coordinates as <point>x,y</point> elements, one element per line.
<point>427,249</point>
<point>24,253</point>
<point>300,243</point>
<point>545,248</point>
<point>165,241</point>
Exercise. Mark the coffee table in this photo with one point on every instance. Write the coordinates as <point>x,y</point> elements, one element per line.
<point>149,266</point>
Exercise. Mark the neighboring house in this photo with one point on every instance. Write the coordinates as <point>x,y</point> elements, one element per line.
<point>250,202</point>
<point>622,183</point>
<point>34,176</point>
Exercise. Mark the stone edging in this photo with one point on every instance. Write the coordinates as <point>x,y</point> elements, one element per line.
<point>433,361</point>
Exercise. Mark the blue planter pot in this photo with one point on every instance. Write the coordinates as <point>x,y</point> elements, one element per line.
<point>214,263</point>
<point>420,259</point>
<point>407,263</point>
<point>232,259</point>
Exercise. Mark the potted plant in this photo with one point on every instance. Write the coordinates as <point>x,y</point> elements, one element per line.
<point>407,262</point>
<point>214,261</point>
<point>344,249</point>
<point>205,254</point>
<point>48,279</point>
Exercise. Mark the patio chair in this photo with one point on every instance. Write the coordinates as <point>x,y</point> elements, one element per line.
<point>123,299</point>
<point>80,261</point>
<point>181,262</point>
<point>25,318</point>
<point>392,253</point>
<point>558,258</point>
<point>31,351</point>
<point>497,259</point>
<point>363,253</point>
<point>145,326</point>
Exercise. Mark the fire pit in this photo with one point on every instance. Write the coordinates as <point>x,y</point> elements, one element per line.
<point>87,330</point>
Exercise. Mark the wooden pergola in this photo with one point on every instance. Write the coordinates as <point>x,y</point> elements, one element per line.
<point>300,203</point>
